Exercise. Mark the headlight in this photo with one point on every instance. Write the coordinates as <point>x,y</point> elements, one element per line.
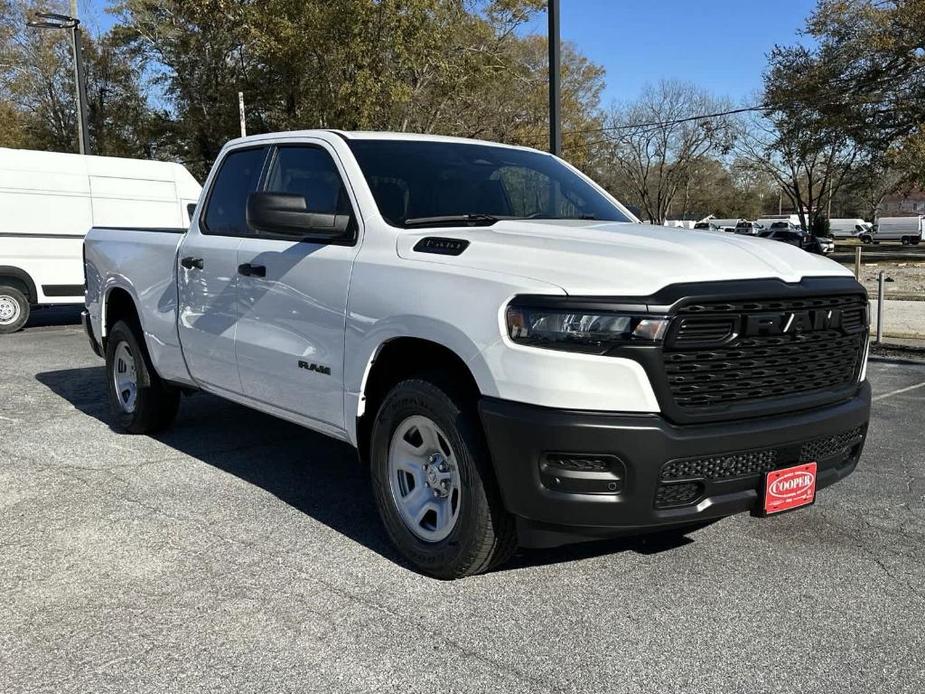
<point>577,330</point>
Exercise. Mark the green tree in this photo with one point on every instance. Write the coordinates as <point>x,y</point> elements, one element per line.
<point>37,97</point>
<point>441,66</point>
<point>863,77</point>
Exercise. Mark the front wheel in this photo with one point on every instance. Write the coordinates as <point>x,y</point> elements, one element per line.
<point>14,309</point>
<point>141,402</point>
<point>433,482</point>
<point>866,238</point>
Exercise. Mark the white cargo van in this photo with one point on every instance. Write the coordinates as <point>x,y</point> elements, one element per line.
<point>723,224</point>
<point>905,229</point>
<point>48,202</point>
<point>847,228</point>
<point>792,219</point>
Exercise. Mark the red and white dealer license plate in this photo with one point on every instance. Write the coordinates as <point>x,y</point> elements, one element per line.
<point>790,487</point>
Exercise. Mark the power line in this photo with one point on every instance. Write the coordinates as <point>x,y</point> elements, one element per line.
<point>717,114</point>
<point>662,124</point>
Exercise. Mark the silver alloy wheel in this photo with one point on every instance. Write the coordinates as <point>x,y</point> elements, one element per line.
<point>124,377</point>
<point>424,479</point>
<point>10,310</point>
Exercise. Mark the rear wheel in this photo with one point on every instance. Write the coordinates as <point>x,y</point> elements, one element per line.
<point>14,309</point>
<point>141,402</point>
<point>433,482</point>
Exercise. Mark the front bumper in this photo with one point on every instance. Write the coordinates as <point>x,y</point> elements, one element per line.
<point>723,464</point>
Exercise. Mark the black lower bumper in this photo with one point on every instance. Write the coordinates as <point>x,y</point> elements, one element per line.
<point>88,328</point>
<point>571,475</point>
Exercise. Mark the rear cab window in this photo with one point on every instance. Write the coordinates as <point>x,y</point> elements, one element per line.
<point>238,176</point>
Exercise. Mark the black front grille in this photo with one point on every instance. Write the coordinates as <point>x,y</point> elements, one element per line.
<point>763,305</point>
<point>583,462</point>
<point>831,446</point>
<point>723,466</point>
<point>677,494</point>
<point>704,330</point>
<point>708,363</point>
<point>682,480</point>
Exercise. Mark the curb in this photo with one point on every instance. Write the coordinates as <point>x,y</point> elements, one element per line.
<point>896,360</point>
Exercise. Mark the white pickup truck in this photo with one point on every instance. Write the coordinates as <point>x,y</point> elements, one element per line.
<point>518,359</point>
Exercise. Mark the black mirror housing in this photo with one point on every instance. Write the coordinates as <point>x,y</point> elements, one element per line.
<point>286,216</point>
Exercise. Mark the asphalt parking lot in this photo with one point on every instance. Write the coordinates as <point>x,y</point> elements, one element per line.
<point>238,552</point>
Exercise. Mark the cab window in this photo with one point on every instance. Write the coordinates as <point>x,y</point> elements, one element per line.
<point>238,177</point>
<point>310,172</point>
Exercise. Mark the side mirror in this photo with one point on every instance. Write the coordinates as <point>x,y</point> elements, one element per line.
<point>190,209</point>
<point>286,216</point>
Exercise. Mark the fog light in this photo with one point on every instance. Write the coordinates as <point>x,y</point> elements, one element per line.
<point>582,473</point>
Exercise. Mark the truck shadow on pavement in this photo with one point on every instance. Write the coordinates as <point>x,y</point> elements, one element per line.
<point>45,317</point>
<point>313,473</point>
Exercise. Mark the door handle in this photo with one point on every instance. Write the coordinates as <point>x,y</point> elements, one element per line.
<point>249,270</point>
<point>189,263</point>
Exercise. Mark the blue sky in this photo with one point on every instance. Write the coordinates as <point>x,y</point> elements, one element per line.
<point>720,45</point>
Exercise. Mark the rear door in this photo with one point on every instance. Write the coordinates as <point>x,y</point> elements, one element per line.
<point>207,277</point>
<point>293,295</point>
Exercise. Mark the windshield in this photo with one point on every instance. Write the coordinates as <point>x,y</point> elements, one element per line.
<point>421,183</point>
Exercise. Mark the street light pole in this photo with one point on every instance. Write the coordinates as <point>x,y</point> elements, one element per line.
<point>51,20</point>
<point>555,125</point>
<point>83,135</point>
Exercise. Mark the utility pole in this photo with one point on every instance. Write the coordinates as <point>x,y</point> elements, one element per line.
<point>555,125</point>
<point>241,114</point>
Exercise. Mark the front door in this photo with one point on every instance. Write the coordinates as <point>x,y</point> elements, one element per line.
<point>293,297</point>
<point>207,277</point>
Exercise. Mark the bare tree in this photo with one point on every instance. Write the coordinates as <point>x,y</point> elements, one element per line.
<point>654,145</point>
<point>808,162</point>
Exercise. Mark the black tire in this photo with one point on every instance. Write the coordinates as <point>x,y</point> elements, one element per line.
<point>14,309</point>
<point>484,534</point>
<point>155,403</point>
<point>866,238</point>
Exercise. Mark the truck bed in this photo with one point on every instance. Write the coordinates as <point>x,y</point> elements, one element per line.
<point>142,262</point>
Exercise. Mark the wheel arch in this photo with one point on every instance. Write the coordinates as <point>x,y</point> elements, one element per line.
<point>119,304</point>
<point>21,280</point>
<point>398,358</point>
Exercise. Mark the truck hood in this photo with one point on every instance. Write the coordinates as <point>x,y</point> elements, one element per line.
<point>614,258</point>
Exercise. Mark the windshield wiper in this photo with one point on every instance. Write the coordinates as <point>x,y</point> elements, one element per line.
<point>466,219</point>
